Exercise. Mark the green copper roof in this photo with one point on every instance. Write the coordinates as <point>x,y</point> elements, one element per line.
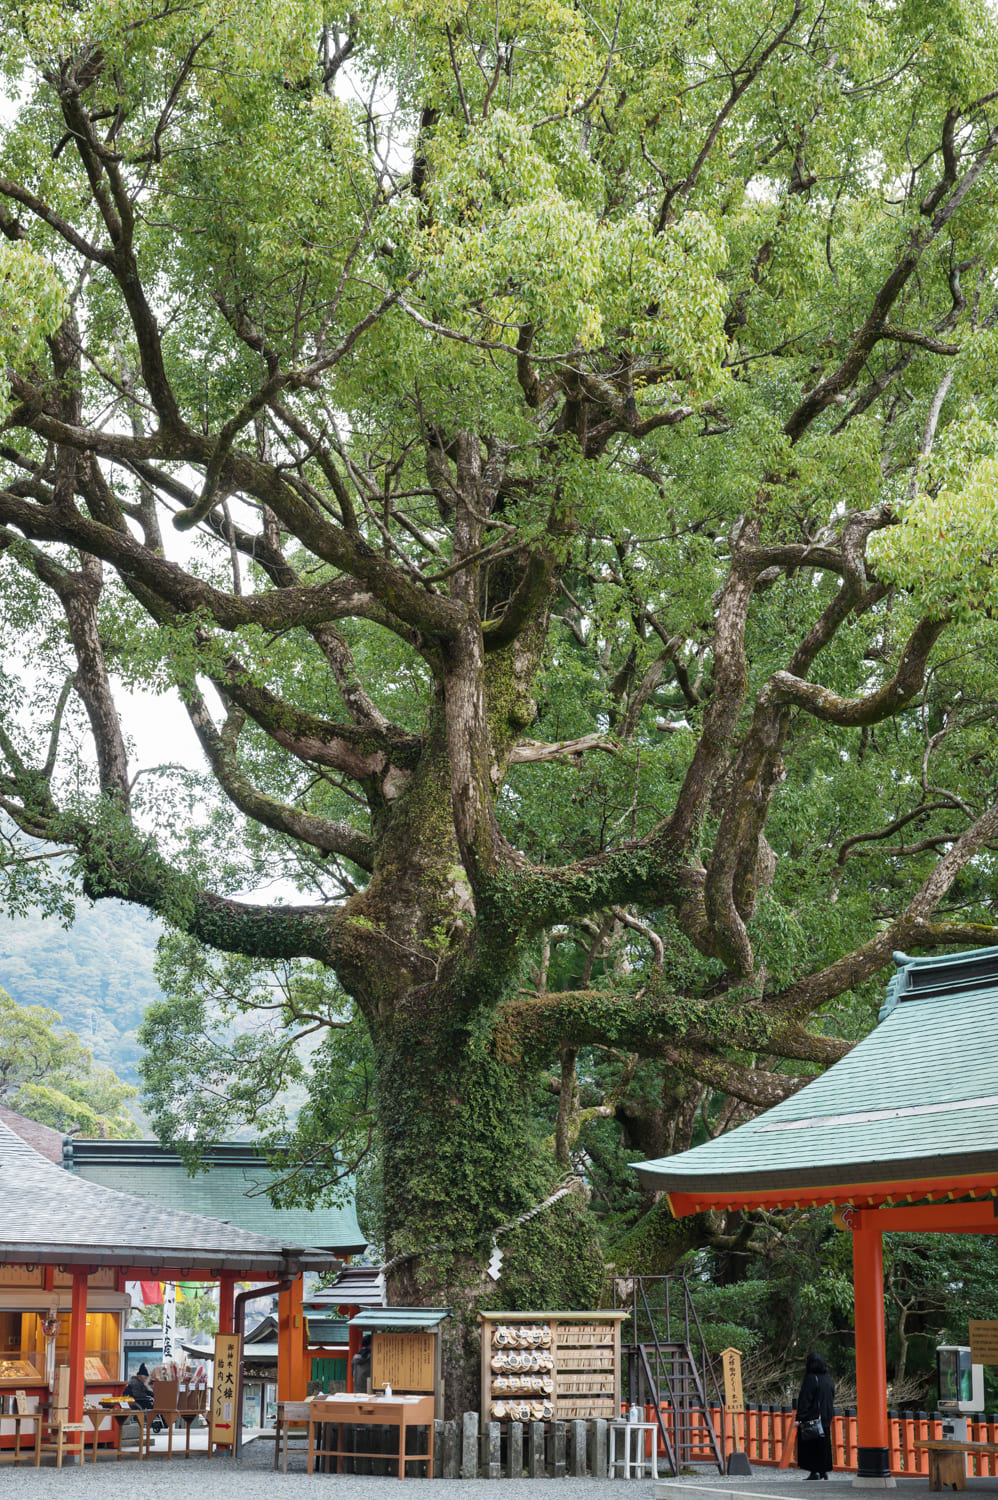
<point>916,1099</point>
<point>399,1319</point>
<point>231,1189</point>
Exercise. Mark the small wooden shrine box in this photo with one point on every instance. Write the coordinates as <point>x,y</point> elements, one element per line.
<point>405,1350</point>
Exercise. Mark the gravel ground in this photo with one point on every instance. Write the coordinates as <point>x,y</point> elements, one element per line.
<point>224,1479</point>
<point>252,1477</point>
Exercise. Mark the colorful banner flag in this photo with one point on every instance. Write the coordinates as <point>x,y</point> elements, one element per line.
<point>152,1293</point>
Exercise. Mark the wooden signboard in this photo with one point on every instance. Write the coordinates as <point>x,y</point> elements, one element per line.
<point>731,1361</point>
<point>983,1341</point>
<point>21,1276</point>
<point>404,1360</point>
<point>225,1391</point>
<point>105,1278</point>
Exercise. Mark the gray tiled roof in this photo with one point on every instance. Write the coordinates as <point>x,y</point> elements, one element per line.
<point>232,1188</point>
<point>48,1214</point>
<point>43,1138</point>
<point>917,1099</point>
<point>355,1286</point>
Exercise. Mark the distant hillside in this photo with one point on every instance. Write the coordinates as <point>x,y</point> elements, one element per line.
<point>98,974</point>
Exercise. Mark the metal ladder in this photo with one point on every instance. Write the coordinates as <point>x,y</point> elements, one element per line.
<point>665,1358</point>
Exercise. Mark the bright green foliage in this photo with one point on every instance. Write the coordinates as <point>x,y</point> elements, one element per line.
<point>944,550</point>
<point>233,1048</point>
<point>547,452</point>
<point>32,305</point>
<point>49,1076</point>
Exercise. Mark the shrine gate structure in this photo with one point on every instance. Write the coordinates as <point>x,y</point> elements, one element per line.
<point>899,1135</point>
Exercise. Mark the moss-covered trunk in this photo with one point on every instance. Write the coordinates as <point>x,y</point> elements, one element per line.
<point>464,1165</point>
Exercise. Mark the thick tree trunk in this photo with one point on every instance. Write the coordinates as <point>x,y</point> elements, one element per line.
<point>463,1169</point>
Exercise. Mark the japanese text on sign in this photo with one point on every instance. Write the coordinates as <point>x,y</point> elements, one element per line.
<point>731,1361</point>
<point>225,1391</point>
<point>983,1341</point>
<point>404,1360</point>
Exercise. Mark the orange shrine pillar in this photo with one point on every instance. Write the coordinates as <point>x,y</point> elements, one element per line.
<point>292,1368</point>
<point>872,1454</point>
<point>226,1303</point>
<point>77,1344</point>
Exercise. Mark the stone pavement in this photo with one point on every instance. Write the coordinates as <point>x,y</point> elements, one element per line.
<point>788,1484</point>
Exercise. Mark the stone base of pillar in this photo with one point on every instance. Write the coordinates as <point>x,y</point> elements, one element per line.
<point>873,1469</point>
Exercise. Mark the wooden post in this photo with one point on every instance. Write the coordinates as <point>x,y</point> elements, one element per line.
<point>493,1451</point>
<point>514,1450</point>
<point>598,1449</point>
<point>77,1344</point>
<point>577,1448</point>
<point>292,1373</point>
<point>872,1466</point>
<point>226,1303</point>
<point>536,1466</point>
<point>452,1449</point>
<point>469,1445</point>
<point>557,1450</point>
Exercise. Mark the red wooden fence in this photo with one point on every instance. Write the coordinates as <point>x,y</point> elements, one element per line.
<point>768,1435</point>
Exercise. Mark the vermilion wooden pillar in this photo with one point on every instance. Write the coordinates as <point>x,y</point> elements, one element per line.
<point>292,1368</point>
<point>872,1454</point>
<point>77,1344</point>
<point>226,1300</point>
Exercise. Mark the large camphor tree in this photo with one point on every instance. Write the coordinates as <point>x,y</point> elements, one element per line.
<point>549,453</point>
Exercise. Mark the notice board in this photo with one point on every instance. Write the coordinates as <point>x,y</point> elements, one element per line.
<point>225,1391</point>
<point>405,1360</point>
<point>983,1341</point>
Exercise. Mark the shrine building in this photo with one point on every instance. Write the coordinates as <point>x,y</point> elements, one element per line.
<point>900,1135</point>
<point>68,1246</point>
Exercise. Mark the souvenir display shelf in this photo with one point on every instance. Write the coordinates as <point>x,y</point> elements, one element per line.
<point>541,1366</point>
<point>16,1371</point>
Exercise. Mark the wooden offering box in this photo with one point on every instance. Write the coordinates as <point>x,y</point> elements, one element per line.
<point>540,1366</point>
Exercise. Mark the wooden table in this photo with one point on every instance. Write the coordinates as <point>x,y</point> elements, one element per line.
<point>341,1410</point>
<point>947,1460</point>
<point>181,1414</point>
<point>13,1455</point>
<point>289,1414</point>
<point>120,1415</point>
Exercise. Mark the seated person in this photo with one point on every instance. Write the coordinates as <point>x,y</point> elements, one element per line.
<point>139,1388</point>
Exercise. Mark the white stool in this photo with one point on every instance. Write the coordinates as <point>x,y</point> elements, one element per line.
<point>634,1458</point>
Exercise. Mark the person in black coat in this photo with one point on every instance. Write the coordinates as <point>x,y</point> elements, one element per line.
<point>139,1389</point>
<point>816,1401</point>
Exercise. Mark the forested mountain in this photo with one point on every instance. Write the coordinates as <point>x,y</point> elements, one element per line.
<point>98,975</point>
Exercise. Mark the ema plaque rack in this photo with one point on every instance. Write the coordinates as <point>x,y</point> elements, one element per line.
<point>544,1366</point>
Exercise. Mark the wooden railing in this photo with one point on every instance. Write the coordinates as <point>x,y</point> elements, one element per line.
<point>768,1436</point>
